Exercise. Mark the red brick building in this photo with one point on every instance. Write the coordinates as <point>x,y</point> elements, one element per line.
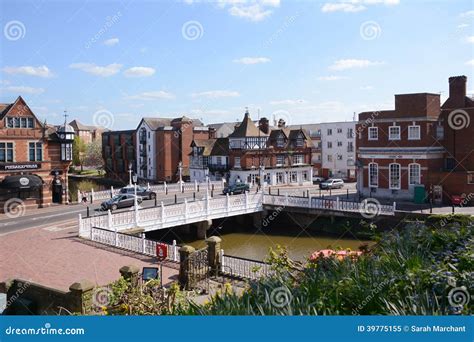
<point>417,144</point>
<point>34,158</point>
<point>279,156</point>
<point>119,153</point>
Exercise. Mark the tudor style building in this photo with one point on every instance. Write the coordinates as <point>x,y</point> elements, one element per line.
<point>418,144</point>
<point>34,158</point>
<point>276,156</point>
<point>209,159</point>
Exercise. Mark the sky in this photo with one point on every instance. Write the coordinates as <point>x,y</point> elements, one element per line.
<point>110,63</point>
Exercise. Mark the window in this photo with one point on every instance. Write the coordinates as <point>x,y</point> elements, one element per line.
<point>394,132</point>
<point>470,178</point>
<point>36,151</point>
<point>373,133</point>
<point>413,132</point>
<point>23,122</point>
<point>329,131</point>
<point>6,152</point>
<point>205,161</point>
<point>280,160</point>
<point>219,160</point>
<point>329,157</point>
<point>339,143</point>
<point>350,146</point>
<point>329,144</point>
<point>300,141</point>
<point>394,173</point>
<point>339,157</point>
<point>414,174</point>
<point>350,133</point>
<point>293,177</point>
<point>339,130</point>
<point>298,159</point>
<point>305,175</point>
<point>11,122</point>
<point>373,175</point>
<point>237,162</point>
<point>280,141</point>
<point>439,131</point>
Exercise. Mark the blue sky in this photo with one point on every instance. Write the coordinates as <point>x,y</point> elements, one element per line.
<point>113,62</point>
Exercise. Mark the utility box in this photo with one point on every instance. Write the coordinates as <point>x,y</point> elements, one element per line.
<point>419,194</point>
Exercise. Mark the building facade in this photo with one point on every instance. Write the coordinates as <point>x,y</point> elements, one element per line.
<point>34,158</point>
<point>87,133</point>
<point>119,154</point>
<point>419,144</point>
<point>274,156</point>
<point>209,159</point>
<point>314,131</point>
<point>338,150</point>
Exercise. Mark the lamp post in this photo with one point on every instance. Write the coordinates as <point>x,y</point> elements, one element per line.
<point>180,172</point>
<point>130,174</point>
<point>206,174</point>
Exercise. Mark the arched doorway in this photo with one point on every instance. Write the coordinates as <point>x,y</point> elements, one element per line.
<point>57,190</point>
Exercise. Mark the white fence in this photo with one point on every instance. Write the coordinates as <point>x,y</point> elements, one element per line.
<point>369,207</point>
<point>243,268</point>
<point>174,215</point>
<point>132,243</point>
<point>159,189</point>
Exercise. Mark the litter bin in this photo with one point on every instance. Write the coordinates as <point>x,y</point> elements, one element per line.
<point>419,194</point>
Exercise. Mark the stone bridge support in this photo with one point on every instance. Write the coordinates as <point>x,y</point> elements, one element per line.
<point>201,228</point>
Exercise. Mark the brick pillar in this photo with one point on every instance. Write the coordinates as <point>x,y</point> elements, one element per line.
<point>130,273</point>
<point>185,280</point>
<point>213,254</point>
<point>81,296</point>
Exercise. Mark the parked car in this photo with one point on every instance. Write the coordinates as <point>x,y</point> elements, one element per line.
<point>120,201</point>
<point>317,179</point>
<point>141,191</point>
<point>237,188</point>
<point>333,183</point>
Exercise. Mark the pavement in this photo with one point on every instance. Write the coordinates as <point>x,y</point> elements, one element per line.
<point>52,255</point>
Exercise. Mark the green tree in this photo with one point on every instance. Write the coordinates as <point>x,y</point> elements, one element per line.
<point>93,154</point>
<point>78,151</point>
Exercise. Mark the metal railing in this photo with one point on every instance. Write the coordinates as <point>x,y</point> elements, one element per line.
<point>243,268</point>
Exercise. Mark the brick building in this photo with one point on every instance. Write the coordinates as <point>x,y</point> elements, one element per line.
<point>34,157</point>
<point>278,156</point>
<point>87,133</point>
<point>209,159</point>
<point>119,154</point>
<point>418,144</point>
<point>163,144</point>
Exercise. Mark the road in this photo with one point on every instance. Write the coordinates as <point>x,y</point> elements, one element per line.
<point>60,217</point>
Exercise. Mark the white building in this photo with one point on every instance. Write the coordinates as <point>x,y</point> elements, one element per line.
<point>338,151</point>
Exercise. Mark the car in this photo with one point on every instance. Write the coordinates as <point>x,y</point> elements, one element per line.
<point>120,201</point>
<point>237,188</point>
<point>317,180</point>
<point>332,183</point>
<point>141,191</point>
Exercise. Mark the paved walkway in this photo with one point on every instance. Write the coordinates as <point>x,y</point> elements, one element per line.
<point>54,256</point>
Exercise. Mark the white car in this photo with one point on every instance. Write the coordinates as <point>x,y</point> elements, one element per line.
<point>332,183</point>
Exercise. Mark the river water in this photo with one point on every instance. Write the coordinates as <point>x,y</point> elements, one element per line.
<point>255,244</point>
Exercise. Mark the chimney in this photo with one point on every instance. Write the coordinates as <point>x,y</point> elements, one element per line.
<point>212,133</point>
<point>281,123</point>
<point>263,125</point>
<point>457,91</point>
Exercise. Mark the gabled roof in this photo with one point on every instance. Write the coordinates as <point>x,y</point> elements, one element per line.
<point>81,127</point>
<point>6,107</point>
<point>247,128</point>
<point>212,147</point>
<point>155,123</point>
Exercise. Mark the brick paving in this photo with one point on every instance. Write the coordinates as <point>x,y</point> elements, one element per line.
<point>54,256</point>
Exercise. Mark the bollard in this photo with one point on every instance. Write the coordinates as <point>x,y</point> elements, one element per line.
<point>212,191</point>
<point>269,190</point>
<point>330,191</point>
<point>166,191</point>
<point>278,191</point>
<point>87,211</point>
<point>431,206</point>
<point>307,193</point>
<point>198,187</point>
<point>91,199</point>
<point>194,196</point>
<point>347,196</point>
<point>156,202</point>
<point>212,188</point>
<point>304,193</point>
<point>175,198</point>
<point>453,208</point>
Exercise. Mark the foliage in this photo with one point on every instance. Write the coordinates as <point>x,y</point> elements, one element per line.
<point>78,150</point>
<point>93,154</point>
<point>410,271</point>
<point>85,185</point>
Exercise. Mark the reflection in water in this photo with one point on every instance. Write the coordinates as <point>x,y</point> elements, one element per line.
<point>253,244</point>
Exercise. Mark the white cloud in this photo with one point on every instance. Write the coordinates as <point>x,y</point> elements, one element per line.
<point>40,71</point>
<point>344,64</point>
<point>332,78</point>
<point>23,90</point>
<point>97,70</point>
<point>367,87</point>
<point>468,14</point>
<point>288,102</point>
<point>353,6</point>
<point>214,94</point>
<point>470,39</point>
<point>111,41</point>
<point>253,10</point>
<point>470,63</point>
<point>461,26</point>
<point>252,60</point>
<point>139,72</point>
<point>152,95</point>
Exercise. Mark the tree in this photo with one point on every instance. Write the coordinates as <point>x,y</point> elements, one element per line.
<point>78,151</point>
<point>93,154</point>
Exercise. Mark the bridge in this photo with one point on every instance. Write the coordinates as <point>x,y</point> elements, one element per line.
<point>209,208</point>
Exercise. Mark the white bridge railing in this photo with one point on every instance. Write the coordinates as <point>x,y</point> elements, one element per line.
<point>159,189</point>
<point>173,215</point>
<point>368,207</point>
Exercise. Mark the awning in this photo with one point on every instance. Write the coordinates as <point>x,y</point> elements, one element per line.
<point>22,182</point>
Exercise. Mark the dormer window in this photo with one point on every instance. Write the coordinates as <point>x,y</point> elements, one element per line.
<point>300,140</point>
<point>280,141</point>
<point>16,122</point>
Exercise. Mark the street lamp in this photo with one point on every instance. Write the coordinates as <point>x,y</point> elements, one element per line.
<point>130,174</point>
<point>206,174</point>
<point>180,172</point>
